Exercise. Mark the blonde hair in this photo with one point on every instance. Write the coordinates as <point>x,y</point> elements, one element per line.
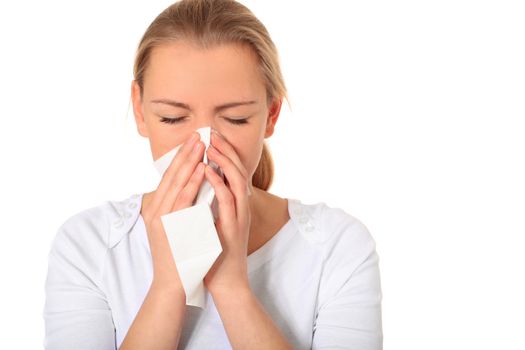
<point>209,23</point>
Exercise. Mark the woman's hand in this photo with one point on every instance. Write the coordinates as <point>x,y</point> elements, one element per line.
<point>177,190</point>
<point>230,270</point>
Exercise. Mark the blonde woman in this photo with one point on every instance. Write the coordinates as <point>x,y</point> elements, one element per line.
<point>290,276</point>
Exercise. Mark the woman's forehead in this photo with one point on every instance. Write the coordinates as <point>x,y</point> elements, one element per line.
<point>180,68</point>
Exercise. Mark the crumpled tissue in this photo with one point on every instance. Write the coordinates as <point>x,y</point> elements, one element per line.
<point>191,232</point>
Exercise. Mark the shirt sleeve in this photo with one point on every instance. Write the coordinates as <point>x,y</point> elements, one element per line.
<point>349,310</point>
<point>76,312</point>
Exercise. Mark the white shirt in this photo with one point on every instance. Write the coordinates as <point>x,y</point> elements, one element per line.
<point>318,279</point>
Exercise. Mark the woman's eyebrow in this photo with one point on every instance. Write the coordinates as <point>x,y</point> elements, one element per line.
<point>216,109</point>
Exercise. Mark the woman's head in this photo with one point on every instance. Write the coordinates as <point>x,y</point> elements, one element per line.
<point>205,54</point>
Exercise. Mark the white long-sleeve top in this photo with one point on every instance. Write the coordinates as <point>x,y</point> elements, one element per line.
<point>318,278</point>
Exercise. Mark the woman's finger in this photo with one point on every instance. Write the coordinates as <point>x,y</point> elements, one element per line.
<point>182,177</point>
<point>169,174</point>
<point>188,194</point>
<point>219,142</point>
<point>237,182</point>
<point>227,211</point>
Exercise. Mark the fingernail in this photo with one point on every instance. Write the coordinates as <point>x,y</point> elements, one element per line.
<point>196,147</point>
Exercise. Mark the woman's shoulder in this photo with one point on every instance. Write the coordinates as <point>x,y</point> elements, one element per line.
<point>346,246</point>
<point>331,228</point>
<point>100,226</point>
<point>325,223</point>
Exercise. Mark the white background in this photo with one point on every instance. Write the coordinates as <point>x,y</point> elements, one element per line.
<point>407,114</point>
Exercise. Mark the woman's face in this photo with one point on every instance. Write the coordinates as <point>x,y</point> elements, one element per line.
<point>189,83</point>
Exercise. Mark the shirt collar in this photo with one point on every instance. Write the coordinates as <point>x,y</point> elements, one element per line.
<point>123,216</point>
<point>125,213</point>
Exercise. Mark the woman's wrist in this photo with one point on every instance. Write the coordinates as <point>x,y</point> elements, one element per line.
<point>174,289</point>
<point>245,320</point>
<point>234,290</point>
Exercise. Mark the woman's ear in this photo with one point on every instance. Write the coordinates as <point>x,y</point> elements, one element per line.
<point>273,115</point>
<point>137,109</point>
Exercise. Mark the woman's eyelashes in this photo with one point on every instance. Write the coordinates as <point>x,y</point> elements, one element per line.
<point>180,119</point>
<point>171,120</point>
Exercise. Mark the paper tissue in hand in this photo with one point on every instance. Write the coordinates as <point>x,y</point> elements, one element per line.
<point>191,231</point>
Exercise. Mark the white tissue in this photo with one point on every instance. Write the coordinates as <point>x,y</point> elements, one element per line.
<point>206,192</point>
<point>191,231</point>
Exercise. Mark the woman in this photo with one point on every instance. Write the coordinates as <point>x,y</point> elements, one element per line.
<point>291,275</point>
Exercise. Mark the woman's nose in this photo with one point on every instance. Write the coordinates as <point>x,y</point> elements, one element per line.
<point>213,129</point>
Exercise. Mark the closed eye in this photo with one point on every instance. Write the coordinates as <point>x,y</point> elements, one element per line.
<point>237,121</point>
<point>180,119</point>
<point>171,120</point>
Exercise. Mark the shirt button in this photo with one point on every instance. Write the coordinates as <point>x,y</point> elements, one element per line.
<point>118,223</point>
<point>296,208</point>
<point>132,205</point>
